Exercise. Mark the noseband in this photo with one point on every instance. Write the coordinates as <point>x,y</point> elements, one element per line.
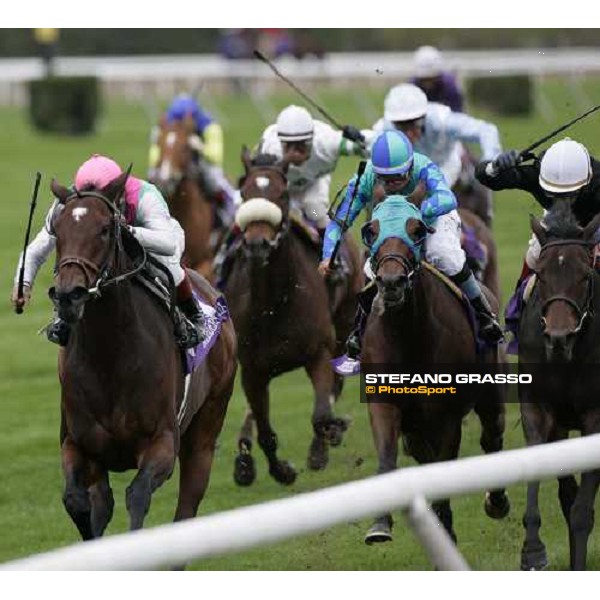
<point>411,266</point>
<point>587,310</point>
<point>93,272</point>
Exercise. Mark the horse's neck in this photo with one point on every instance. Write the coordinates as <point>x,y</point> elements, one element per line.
<point>271,284</point>
<point>113,316</point>
<point>412,327</point>
<point>189,198</point>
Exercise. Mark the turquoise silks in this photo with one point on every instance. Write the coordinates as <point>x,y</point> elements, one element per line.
<point>392,214</point>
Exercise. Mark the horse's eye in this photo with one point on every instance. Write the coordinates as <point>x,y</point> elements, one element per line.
<point>105,231</point>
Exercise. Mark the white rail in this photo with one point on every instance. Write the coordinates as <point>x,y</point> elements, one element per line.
<point>305,513</point>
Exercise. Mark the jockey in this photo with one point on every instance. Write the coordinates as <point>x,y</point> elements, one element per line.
<point>439,85</point>
<point>395,169</point>
<point>312,149</point>
<point>210,160</point>
<point>435,130</point>
<point>148,220</point>
<point>564,173</point>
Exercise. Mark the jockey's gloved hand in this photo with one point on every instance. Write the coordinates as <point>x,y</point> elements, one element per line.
<point>353,134</point>
<point>506,160</point>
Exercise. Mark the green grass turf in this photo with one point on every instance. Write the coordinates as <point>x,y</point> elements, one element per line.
<point>32,518</point>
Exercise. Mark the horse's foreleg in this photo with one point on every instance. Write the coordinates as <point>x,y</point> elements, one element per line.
<point>537,426</point>
<point>103,503</point>
<point>76,498</point>
<point>581,521</point>
<point>257,394</point>
<point>155,466</point>
<point>327,429</point>
<point>385,426</point>
<point>491,413</point>
<point>244,472</point>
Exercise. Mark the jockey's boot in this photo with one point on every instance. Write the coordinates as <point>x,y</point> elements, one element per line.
<point>489,328</point>
<point>190,330</point>
<point>365,301</point>
<point>58,331</point>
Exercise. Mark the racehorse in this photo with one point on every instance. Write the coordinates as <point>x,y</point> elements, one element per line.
<point>121,373</point>
<point>558,342</point>
<point>417,322</point>
<point>285,315</point>
<point>177,176</point>
<point>480,247</point>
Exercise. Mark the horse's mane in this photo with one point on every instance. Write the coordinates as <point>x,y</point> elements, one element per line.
<point>561,223</point>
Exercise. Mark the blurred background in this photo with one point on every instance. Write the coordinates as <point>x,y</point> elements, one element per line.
<point>65,94</point>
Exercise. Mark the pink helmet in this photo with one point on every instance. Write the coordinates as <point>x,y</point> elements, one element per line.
<point>98,171</point>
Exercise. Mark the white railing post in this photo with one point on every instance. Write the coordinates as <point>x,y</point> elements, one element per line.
<point>438,545</point>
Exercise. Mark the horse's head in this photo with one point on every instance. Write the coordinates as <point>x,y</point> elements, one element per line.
<point>394,237</point>
<point>263,214</point>
<point>177,143</point>
<point>565,275</point>
<point>86,230</point>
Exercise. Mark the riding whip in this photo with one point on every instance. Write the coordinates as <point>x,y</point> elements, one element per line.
<point>36,187</point>
<point>361,169</point>
<point>523,154</point>
<point>279,74</point>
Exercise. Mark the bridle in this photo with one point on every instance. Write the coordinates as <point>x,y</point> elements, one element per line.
<point>98,277</point>
<point>582,312</point>
<point>284,228</point>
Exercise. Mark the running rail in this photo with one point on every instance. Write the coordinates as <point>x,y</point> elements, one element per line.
<point>235,530</point>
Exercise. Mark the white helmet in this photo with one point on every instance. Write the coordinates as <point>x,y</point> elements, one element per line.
<point>294,124</point>
<point>566,167</point>
<point>428,62</point>
<point>405,102</point>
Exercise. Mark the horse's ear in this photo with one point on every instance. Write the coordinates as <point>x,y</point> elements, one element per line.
<point>284,165</point>
<point>417,230</point>
<point>246,159</point>
<point>114,190</point>
<point>538,229</point>
<point>60,191</point>
<point>590,229</point>
<point>189,123</point>
<point>370,232</point>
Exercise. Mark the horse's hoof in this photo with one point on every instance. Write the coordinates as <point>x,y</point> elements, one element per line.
<point>244,472</point>
<point>496,505</point>
<point>318,455</point>
<point>336,429</point>
<point>534,560</point>
<point>380,531</point>
<point>283,472</point>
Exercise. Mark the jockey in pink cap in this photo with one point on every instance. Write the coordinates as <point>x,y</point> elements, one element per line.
<point>148,220</point>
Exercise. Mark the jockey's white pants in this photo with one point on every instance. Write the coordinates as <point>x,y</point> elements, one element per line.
<point>216,180</point>
<point>451,166</point>
<point>442,248</point>
<point>314,200</point>
<point>173,262</point>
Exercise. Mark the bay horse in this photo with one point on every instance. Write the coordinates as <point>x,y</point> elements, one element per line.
<point>286,316</point>
<point>417,322</point>
<point>177,177</point>
<point>559,335</point>
<point>121,374</point>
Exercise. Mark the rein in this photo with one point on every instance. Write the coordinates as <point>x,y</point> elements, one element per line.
<point>410,266</point>
<point>587,310</point>
<point>101,274</point>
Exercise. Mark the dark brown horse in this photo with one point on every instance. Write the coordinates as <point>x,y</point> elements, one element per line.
<point>121,373</point>
<point>286,317</point>
<point>178,178</point>
<point>417,323</point>
<point>473,195</point>
<point>559,335</point>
